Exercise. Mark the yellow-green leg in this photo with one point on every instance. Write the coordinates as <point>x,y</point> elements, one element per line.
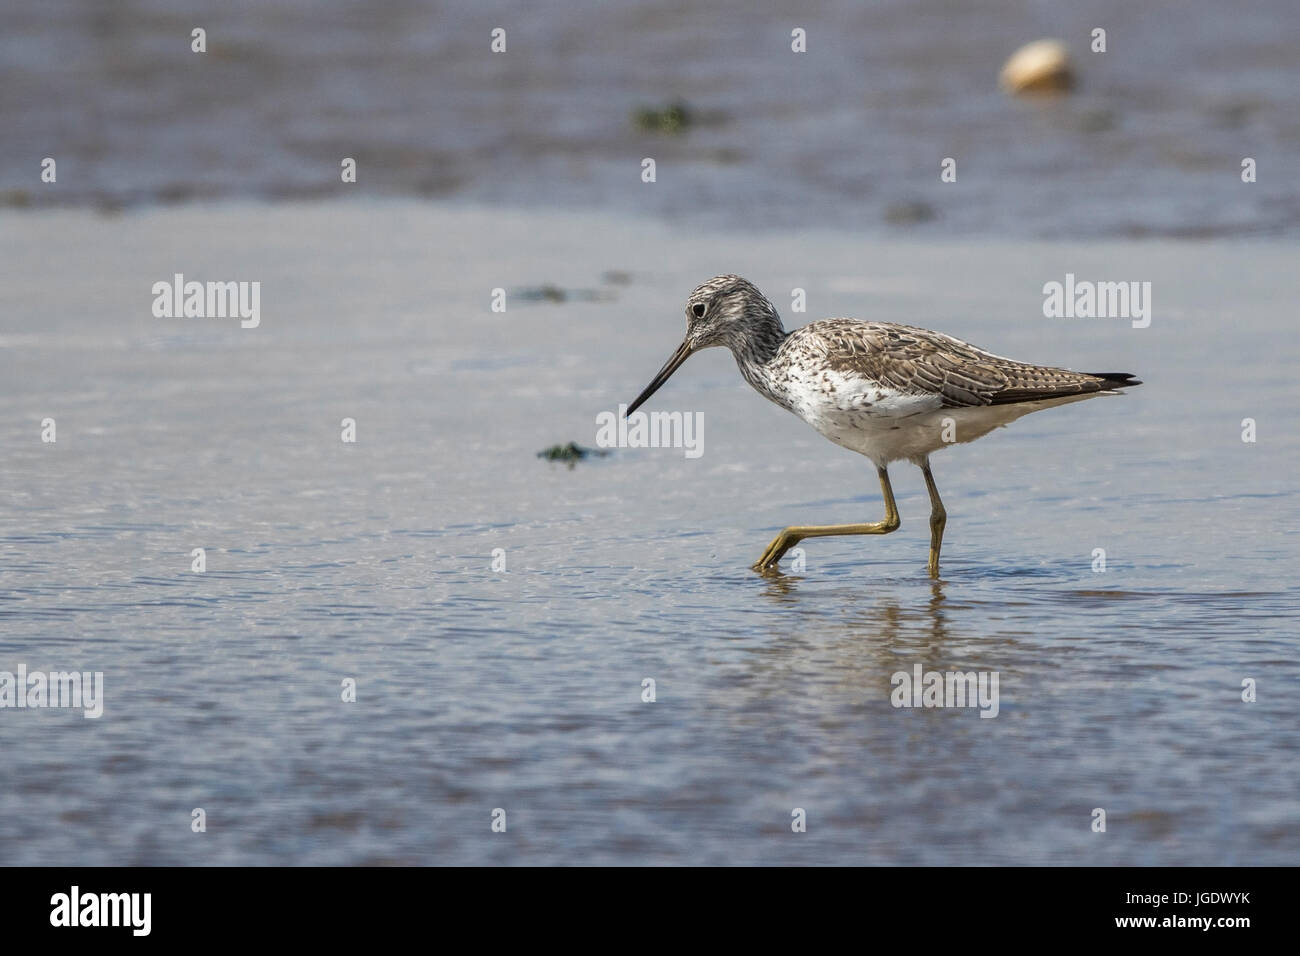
<point>791,536</point>
<point>938,518</point>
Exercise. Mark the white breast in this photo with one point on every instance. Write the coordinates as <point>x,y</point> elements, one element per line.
<point>887,425</point>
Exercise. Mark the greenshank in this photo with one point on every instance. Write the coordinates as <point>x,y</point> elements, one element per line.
<point>889,392</point>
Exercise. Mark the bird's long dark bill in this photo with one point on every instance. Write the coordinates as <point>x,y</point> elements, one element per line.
<point>673,364</point>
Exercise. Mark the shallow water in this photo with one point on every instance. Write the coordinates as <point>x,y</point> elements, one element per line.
<point>521,690</point>
<point>850,133</point>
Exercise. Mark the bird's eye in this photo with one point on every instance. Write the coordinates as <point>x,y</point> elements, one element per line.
<point>698,309</point>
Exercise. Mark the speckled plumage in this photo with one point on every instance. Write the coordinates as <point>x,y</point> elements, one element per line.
<point>879,388</point>
<point>918,361</point>
<point>887,391</point>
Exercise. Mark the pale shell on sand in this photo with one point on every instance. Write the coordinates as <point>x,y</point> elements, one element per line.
<point>1039,67</point>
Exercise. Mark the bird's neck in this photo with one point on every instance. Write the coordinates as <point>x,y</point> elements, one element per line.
<point>754,352</point>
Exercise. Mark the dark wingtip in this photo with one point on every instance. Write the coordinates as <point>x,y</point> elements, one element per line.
<point>1116,379</point>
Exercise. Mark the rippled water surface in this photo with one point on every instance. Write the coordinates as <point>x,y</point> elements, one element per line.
<point>522,689</point>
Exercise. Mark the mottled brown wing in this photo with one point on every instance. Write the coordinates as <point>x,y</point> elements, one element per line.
<point>918,361</point>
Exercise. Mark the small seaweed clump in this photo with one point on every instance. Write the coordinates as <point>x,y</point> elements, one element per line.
<point>673,119</point>
<point>553,293</point>
<point>543,293</point>
<point>572,453</point>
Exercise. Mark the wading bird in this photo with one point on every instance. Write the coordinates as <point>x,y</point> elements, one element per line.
<point>886,391</point>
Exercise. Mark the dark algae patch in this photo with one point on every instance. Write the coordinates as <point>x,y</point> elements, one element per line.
<point>673,119</point>
<point>553,293</point>
<point>572,453</point>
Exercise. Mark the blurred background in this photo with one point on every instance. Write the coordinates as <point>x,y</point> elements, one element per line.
<point>849,135</point>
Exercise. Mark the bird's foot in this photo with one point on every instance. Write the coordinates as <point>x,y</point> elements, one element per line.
<point>782,543</point>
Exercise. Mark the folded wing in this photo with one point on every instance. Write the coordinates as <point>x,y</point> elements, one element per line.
<point>918,361</point>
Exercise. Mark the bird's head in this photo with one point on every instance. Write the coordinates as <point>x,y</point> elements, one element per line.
<point>726,310</point>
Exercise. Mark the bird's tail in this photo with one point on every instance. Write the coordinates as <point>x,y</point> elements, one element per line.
<point>1116,379</point>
